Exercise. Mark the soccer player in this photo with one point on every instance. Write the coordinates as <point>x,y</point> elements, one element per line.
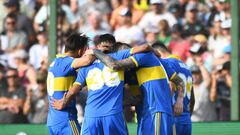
<point>61,75</point>
<point>183,122</point>
<point>156,114</point>
<point>103,111</point>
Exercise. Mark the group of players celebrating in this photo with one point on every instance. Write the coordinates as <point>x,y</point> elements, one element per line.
<point>160,83</point>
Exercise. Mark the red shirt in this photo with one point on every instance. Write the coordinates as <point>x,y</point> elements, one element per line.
<point>180,48</point>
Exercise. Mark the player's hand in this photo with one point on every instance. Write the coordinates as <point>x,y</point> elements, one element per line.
<point>58,104</point>
<point>178,107</point>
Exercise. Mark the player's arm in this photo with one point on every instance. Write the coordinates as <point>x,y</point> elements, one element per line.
<point>192,101</point>
<point>113,63</point>
<point>62,103</point>
<point>83,61</point>
<point>178,107</point>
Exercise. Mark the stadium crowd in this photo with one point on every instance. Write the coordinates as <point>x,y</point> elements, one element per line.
<point>198,31</point>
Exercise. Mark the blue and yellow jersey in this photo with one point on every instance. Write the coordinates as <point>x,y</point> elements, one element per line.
<point>153,83</point>
<point>186,75</point>
<point>105,87</point>
<point>61,76</point>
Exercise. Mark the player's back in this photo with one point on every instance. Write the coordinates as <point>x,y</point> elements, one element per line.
<point>185,74</point>
<point>105,87</point>
<point>60,78</point>
<point>153,83</point>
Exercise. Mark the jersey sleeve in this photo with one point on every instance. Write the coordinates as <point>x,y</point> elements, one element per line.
<point>122,54</point>
<point>68,65</point>
<point>171,73</point>
<point>144,59</point>
<point>81,78</point>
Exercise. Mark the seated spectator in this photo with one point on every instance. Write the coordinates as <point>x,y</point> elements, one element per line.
<point>12,99</point>
<point>221,86</point>
<point>26,72</point>
<point>36,105</point>
<point>36,56</point>
<point>201,85</point>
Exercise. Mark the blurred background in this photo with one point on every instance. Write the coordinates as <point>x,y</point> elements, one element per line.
<point>198,31</point>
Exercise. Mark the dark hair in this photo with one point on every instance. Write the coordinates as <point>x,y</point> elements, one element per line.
<point>12,16</point>
<point>118,46</point>
<point>160,46</point>
<point>105,38</point>
<point>76,42</point>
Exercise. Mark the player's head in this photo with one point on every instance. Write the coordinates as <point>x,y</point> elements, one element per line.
<point>76,44</point>
<point>161,48</point>
<point>118,46</point>
<point>105,42</point>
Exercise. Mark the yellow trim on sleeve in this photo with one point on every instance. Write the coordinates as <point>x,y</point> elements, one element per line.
<point>173,76</point>
<point>131,51</point>
<point>77,83</point>
<point>174,56</point>
<point>134,60</point>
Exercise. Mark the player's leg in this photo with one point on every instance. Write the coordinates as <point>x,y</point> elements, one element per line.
<point>58,128</point>
<point>147,125</point>
<point>72,127</point>
<point>184,129</point>
<point>92,126</point>
<point>114,125</point>
<point>166,124</point>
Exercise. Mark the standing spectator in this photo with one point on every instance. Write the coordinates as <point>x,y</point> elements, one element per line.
<point>26,72</point>
<point>12,99</point>
<point>22,21</point>
<point>128,32</point>
<point>36,56</point>
<point>221,86</point>
<point>136,13</point>
<point>156,14</point>
<point>201,84</point>
<point>192,25</point>
<point>36,105</point>
<point>178,45</point>
<point>41,18</point>
<point>164,35</point>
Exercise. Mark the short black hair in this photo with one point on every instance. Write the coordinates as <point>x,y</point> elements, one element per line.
<point>118,46</point>
<point>76,41</point>
<point>160,46</point>
<point>105,38</point>
<point>12,16</point>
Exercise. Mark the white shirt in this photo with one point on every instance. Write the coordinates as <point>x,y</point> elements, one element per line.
<point>36,54</point>
<point>152,19</point>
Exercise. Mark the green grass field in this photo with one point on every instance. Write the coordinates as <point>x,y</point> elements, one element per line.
<point>220,128</point>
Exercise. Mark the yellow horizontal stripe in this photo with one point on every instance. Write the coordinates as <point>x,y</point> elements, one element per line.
<point>63,83</point>
<point>134,60</point>
<point>135,90</point>
<point>150,73</point>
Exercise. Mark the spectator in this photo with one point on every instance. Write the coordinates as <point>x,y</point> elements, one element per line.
<point>26,72</point>
<point>36,105</point>
<point>151,34</point>
<point>12,99</point>
<point>221,86</point>
<point>95,26</point>
<point>192,26</point>
<point>156,14</point>
<point>164,35</point>
<point>41,18</point>
<point>201,84</point>
<point>22,21</point>
<point>178,45</point>
<point>136,13</point>
<point>36,56</point>
<point>128,32</point>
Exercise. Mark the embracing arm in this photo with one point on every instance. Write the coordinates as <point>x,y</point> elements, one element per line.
<point>62,103</point>
<point>113,63</point>
<point>83,61</point>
